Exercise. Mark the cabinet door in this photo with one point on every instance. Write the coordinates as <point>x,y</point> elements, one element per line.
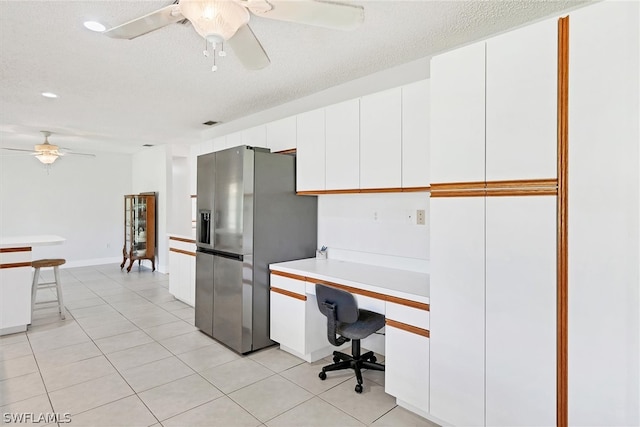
<point>287,322</point>
<point>342,122</point>
<point>310,154</point>
<point>415,134</point>
<point>381,140</point>
<point>522,103</point>
<point>281,134</point>
<point>255,136</point>
<point>174,274</point>
<point>604,214</point>
<point>192,282</point>
<point>458,115</point>
<point>521,311</point>
<point>234,139</point>
<point>407,367</point>
<point>457,310</point>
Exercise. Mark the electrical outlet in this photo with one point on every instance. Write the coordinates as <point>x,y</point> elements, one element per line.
<point>420,217</point>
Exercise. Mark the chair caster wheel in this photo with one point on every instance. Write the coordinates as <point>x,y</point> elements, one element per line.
<point>322,376</point>
<point>358,388</point>
<point>373,359</point>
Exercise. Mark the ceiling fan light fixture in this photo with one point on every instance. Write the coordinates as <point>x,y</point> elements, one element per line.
<point>47,158</point>
<point>94,26</point>
<point>215,20</point>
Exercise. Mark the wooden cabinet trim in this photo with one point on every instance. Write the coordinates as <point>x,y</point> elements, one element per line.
<point>408,328</point>
<point>288,151</point>
<point>181,251</point>
<point>525,187</point>
<point>23,249</point>
<point>562,299</point>
<point>16,264</point>
<point>289,275</point>
<point>182,239</point>
<point>365,190</point>
<point>289,294</point>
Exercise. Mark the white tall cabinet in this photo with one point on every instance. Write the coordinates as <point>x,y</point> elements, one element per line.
<point>493,296</point>
<point>343,145</point>
<point>604,215</point>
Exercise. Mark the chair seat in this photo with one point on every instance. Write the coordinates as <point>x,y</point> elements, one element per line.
<point>42,263</point>
<point>367,322</point>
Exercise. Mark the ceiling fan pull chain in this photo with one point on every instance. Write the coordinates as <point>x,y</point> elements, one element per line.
<point>205,52</point>
<point>222,51</point>
<point>215,67</point>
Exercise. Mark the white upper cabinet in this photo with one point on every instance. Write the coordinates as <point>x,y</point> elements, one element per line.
<point>381,140</point>
<point>415,134</point>
<point>343,145</point>
<point>281,134</point>
<point>233,140</point>
<point>255,136</point>
<point>457,115</point>
<point>521,103</point>
<point>310,167</point>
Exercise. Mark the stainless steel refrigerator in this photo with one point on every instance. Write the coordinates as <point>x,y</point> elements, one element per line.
<point>248,217</point>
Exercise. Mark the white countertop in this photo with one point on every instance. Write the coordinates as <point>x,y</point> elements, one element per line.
<point>35,240</point>
<point>390,281</point>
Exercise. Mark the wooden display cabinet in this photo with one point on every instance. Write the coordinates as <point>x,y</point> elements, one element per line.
<point>139,229</point>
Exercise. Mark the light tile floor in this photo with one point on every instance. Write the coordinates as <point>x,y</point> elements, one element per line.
<point>129,355</point>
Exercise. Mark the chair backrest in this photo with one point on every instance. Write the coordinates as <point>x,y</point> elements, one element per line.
<point>339,307</point>
<point>346,307</point>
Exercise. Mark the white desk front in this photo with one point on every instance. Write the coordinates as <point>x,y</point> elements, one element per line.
<point>402,296</point>
<point>15,279</point>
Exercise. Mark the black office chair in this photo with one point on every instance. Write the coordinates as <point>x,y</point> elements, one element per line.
<point>345,319</point>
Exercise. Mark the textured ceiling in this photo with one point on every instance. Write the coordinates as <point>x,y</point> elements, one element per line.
<point>115,95</point>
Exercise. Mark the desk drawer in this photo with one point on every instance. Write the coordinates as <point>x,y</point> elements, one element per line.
<point>288,284</point>
<point>409,315</point>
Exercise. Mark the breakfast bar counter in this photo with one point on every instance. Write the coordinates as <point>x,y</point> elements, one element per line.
<point>16,277</point>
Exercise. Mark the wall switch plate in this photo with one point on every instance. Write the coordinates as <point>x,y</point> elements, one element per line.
<point>420,217</point>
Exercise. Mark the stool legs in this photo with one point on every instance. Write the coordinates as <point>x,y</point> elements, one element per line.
<point>57,284</point>
<point>56,274</point>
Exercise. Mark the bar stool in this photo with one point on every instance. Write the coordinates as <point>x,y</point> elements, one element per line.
<point>45,263</point>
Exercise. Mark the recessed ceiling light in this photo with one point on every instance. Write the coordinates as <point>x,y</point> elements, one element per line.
<point>49,95</point>
<point>94,26</point>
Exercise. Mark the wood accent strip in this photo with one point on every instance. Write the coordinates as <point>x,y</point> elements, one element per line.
<point>449,186</point>
<point>289,294</point>
<point>365,191</point>
<point>21,249</point>
<point>524,183</point>
<point>182,239</point>
<point>180,251</point>
<point>194,196</point>
<point>288,151</point>
<point>371,294</point>
<point>289,275</point>
<point>16,265</point>
<point>522,192</point>
<point>562,298</point>
<point>408,328</point>
<point>459,193</point>
<point>416,189</point>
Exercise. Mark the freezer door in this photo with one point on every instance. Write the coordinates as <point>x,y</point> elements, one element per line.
<point>204,292</point>
<point>232,298</point>
<point>233,202</point>
<point>205,199</point>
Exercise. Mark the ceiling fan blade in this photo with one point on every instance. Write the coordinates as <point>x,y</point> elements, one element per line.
<point>248,49</point>
<point>147,23</point>
<point>327,15</point>
<point>17,149</point>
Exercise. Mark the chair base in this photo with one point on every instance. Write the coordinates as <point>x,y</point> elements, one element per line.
<point>355,361</point>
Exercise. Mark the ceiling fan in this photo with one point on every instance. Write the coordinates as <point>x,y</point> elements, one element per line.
<point>46,152</point>
<point>220,21</point>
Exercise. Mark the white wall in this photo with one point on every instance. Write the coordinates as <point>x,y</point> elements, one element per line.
<point>151,172</point>
<point>376,229</point>
<point>81,199</point>
<point>180,205</point>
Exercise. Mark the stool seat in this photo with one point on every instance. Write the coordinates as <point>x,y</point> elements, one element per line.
<point>47,263</point>
<point>54,262</point>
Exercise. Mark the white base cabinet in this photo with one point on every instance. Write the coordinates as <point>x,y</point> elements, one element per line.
<point>182,270</point>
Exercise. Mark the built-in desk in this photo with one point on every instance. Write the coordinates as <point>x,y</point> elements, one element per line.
<point>401,295</point>
<point>15,279</point>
